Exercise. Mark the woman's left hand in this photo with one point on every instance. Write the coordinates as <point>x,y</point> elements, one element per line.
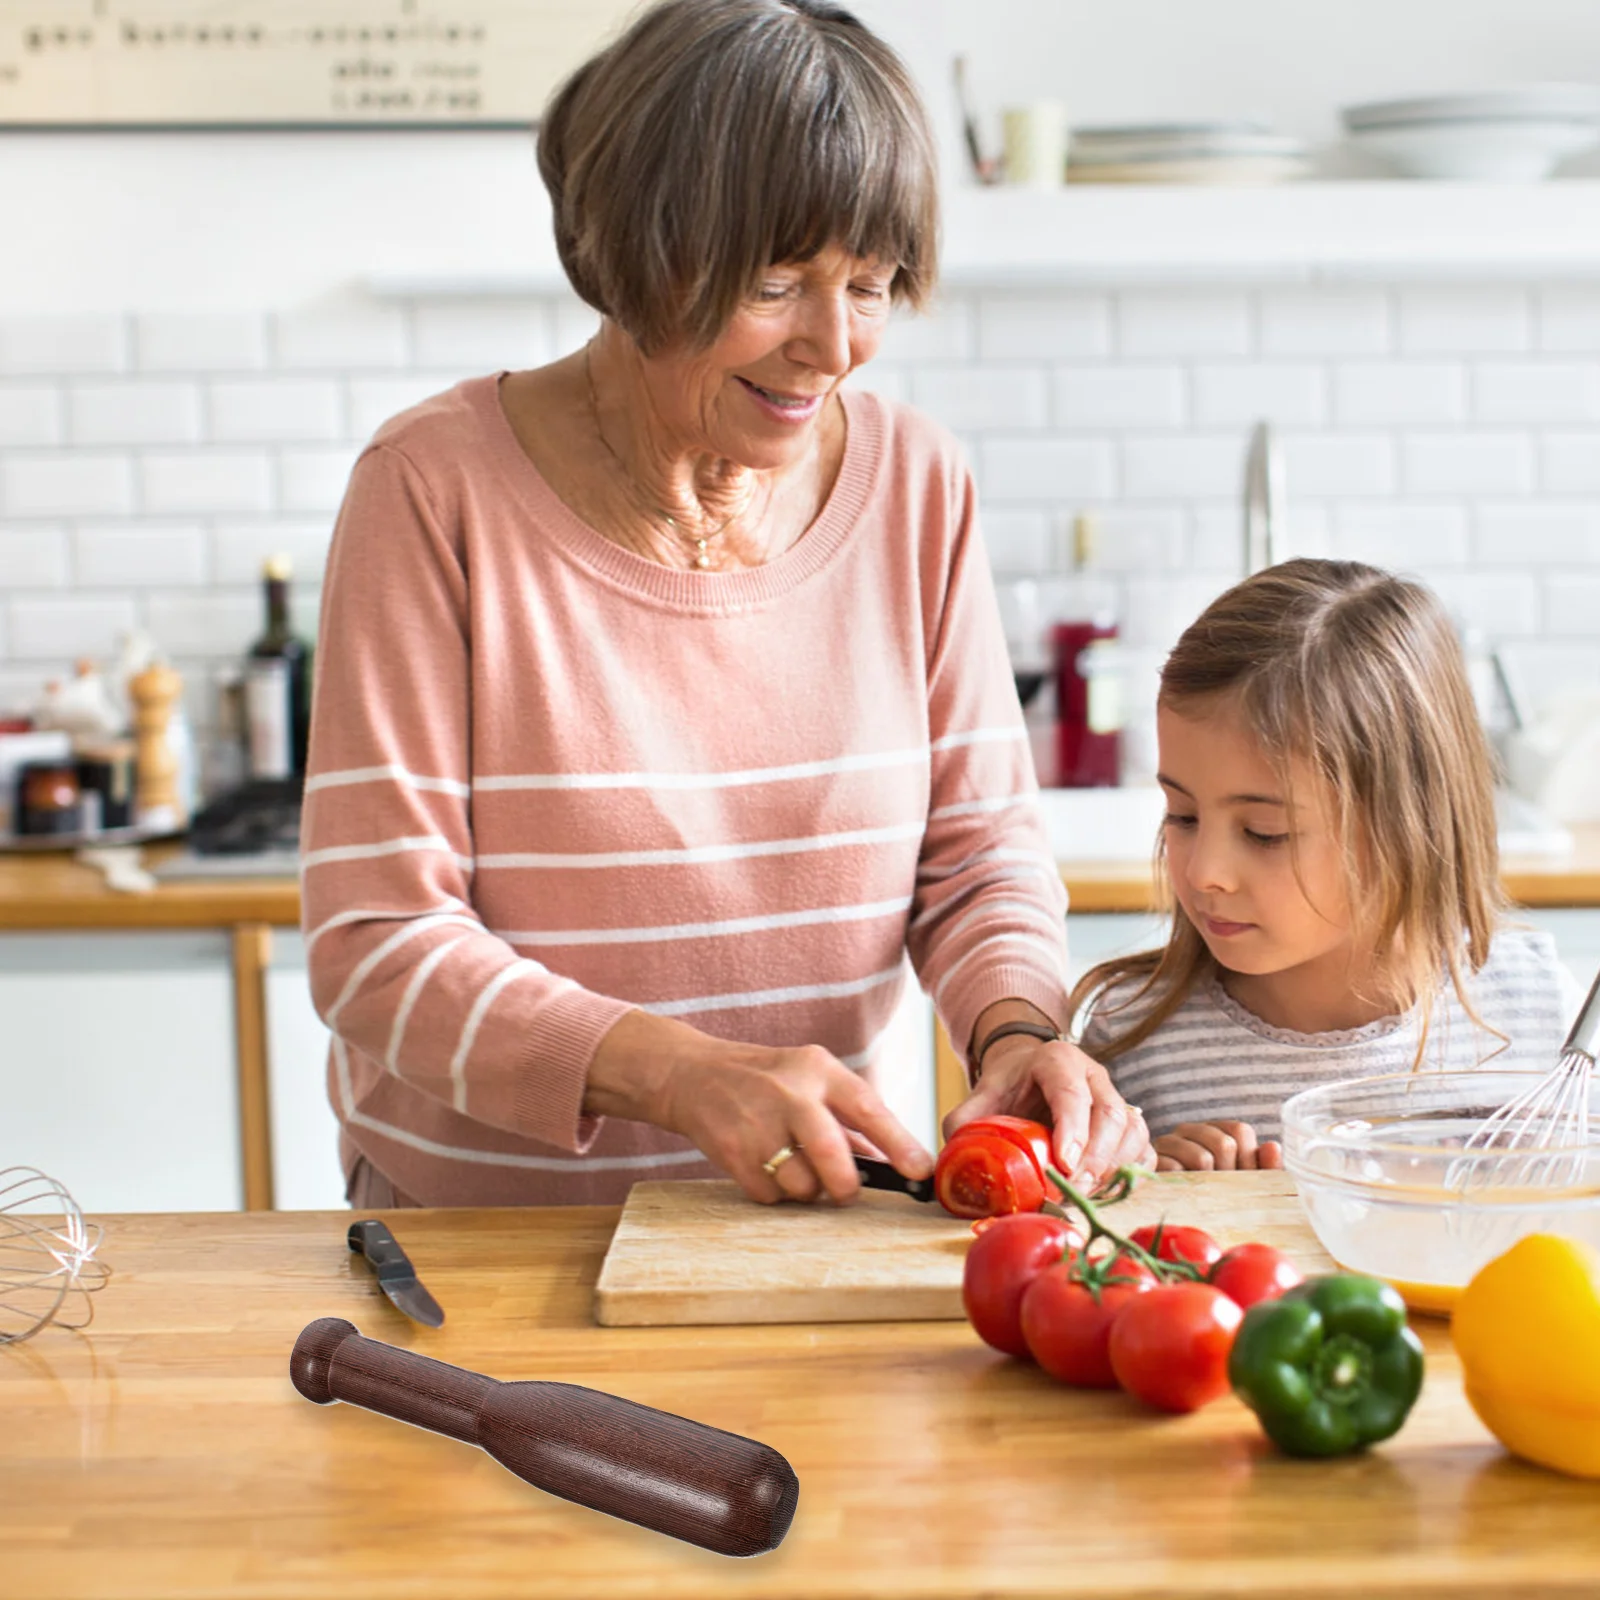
<point>1094,1130</point>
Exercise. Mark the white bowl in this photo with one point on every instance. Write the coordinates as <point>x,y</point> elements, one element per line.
<point>1512,151</point>
<point>1534,102</point>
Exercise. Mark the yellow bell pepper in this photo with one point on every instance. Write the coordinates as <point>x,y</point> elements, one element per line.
<point>1527,1329</point>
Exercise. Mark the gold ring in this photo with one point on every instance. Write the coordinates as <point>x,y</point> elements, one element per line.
<point>773,1162</point>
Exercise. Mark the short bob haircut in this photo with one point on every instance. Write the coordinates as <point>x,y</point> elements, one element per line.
<point>717,138</point>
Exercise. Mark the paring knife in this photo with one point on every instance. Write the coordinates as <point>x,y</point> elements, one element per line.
<point>396,1276</point>
<point>880,1175</point>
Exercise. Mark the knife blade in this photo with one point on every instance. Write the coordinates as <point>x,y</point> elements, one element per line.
<point>396,1276</point>
<point>880,1175</point>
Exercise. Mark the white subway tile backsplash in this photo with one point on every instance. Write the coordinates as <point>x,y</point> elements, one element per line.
<point>1051,470</point>
<point>184,482</point>
<point>136,412</point>
<point>1544,535</point>
<point>59,629</point>
<point>481,336</point>
<point>374,400</point>
<point>1542,671</point>
<point>944,333</point>
<point>200,341</point>
<point>1375,393</point>
<point>140,555</point>
<point>1325,322</point>
<point>65,483</point>
<point>1537,391</point>
<point>1108,396</point>
<point>150,463</point>
<point>314,480</point>
<point>1459,321</point>
<point>1408,538</point>
<point>982,398</point>
<point>1331,466</point>
<point>33,558</point>
<point>1043,327</point>
<point>1019,541</point>
<point>239,549</point>
<point>31,414</point>
<point>323,341</point>
<point>1570,463</point>
<point>1200,467</point>
<point>1572,604</point>
<point>1183,322</point>
<point>1569,319</point>
<point>213,624</point>
<point>1505,604</point>
<point>268,411</point>
<point>1468,463</point>
<point>1289,395</point>
<point>62,344</point>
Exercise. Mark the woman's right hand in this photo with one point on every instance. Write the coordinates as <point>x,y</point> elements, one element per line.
<point>743,1103</point>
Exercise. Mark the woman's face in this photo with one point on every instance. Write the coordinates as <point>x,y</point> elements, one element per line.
<point>1261,906</point>
<point>755,396</point>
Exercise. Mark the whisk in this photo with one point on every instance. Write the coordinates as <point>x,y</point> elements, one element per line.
<point>1542,1136</point>
<point>47,1265</point>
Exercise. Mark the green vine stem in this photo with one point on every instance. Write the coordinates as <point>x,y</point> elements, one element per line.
<point>1117,1187</point>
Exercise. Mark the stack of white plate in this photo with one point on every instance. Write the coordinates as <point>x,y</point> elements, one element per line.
<point>1184,152</point>
<point>1496,135</point>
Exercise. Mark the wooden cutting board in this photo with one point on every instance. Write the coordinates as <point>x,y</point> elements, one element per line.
<point>699,1252</point>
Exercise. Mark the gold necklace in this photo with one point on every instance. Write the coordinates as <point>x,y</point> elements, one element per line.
<point>702,556</point>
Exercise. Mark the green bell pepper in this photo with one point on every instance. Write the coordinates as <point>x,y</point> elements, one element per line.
<point>1329,1367</point>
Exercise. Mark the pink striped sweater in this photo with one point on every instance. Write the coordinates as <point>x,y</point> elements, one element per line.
<point>551,782</point>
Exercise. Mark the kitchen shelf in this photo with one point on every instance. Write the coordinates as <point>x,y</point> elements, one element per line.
<point>1116,234</point>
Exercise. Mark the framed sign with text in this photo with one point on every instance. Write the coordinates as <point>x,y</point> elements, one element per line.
<point>291,63</point>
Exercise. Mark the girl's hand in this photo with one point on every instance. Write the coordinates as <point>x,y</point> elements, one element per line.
<point>1095,1130</point>
<point>1216,1147</point>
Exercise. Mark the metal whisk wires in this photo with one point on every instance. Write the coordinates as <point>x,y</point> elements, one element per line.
<point>47,1265</point>
<point>1544,1136</point>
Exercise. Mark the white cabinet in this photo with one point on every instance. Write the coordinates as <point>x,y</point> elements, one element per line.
<point>117,1071</point>
<point>305,1134</point>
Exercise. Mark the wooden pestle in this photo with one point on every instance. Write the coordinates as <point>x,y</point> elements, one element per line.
<point>719,1490</point>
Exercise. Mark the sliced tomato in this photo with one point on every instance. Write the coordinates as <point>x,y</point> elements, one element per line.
<point>1003,1260</point>
<point>985,1175</point>
<point>1033,1137</point>
<point>1194,1245</point>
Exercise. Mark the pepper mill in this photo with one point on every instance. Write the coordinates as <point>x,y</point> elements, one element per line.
<point>154,693</point>
<point>718,1490</point>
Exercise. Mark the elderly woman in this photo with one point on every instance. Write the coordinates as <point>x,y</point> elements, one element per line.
<point>662,706</point>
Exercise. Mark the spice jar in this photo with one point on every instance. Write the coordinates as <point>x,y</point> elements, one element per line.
<point>49,798</point>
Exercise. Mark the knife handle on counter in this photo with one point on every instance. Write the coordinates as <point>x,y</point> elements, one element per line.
<point>714,1489</point>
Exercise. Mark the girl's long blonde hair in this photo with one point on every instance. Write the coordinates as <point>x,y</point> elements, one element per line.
<point>1359,674</point>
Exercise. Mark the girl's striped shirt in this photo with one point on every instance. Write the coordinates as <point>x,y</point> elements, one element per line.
<point>551,782</point>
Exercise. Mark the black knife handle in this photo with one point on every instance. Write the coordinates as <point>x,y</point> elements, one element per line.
<point>373,1240</point>
<point>718,1490</point>
<point>880,1175</point>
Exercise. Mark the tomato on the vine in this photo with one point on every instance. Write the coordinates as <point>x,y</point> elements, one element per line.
<point>1004,1259</point>
<point>1170,1347</point>
<point>985,1175</point>
<point>1067,1325</point>
<point>1251,1272</point>
<point>1166,1243</point>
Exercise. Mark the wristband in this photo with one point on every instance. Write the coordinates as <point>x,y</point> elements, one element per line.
<point>1034,1030</point>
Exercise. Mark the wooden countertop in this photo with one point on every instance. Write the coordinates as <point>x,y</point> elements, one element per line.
<point>165,1454</point>
<point>51,890</point>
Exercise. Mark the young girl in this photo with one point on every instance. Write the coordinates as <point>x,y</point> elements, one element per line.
<point>1330,845</point>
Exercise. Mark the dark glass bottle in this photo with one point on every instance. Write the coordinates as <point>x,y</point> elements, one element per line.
<point>277,686</point>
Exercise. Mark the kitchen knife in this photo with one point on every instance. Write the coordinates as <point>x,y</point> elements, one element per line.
<point>880,1175</point>
<point>396,1276</point>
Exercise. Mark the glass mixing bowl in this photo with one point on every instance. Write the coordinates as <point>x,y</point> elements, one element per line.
<point>1390,1190</point>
